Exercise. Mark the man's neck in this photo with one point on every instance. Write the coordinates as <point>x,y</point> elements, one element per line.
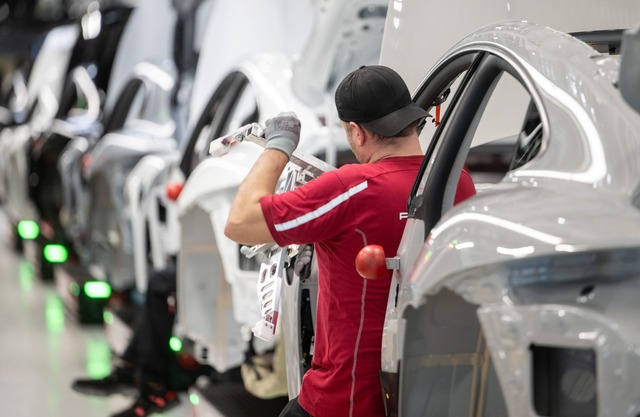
<point>405,147</point>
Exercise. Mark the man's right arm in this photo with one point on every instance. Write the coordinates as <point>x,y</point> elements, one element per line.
<point>246,222</point>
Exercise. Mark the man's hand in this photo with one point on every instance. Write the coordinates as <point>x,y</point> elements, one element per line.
<point>302,263</point>
<point>302,260</point>
<point>283,133</point>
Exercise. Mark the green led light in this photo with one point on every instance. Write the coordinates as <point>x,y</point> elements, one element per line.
<point>74,288</point>
<point>98,356</point>
<point>107,317</point>
<point>55,253</point>
<point>54,314</point>
<point>26,276</point>
<point>175,344</point>
<point>28,229</point>
<point>193,397</point>
<point>97,289</point>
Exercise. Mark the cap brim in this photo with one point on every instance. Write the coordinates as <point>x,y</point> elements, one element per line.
<point>394,122</point>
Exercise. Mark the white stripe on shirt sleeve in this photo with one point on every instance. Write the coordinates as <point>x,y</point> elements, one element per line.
<point>324,209</point>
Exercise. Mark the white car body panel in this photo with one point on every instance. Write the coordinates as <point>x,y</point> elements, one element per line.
<point>238,29</point>
<point>145,53</point>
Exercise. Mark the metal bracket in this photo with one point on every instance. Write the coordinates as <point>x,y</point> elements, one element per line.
<point>393,263</point>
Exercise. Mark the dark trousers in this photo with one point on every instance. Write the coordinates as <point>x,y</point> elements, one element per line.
<point>294,409</point>
<point>149,347</point>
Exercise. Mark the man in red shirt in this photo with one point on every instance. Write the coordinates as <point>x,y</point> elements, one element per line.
<point>341,212</point>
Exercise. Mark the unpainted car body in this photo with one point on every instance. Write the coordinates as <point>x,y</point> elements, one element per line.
<point>512,298</point>
<point>150,130</point>
<point>40,99</point>
<point>71,70</point>
<point>79,113</point>
<point>145,41</point>
<point>216,283</point>
<point>143,120</point>
<point>154,217</point>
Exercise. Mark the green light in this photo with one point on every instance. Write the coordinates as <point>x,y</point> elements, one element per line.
<point>55,253</point>
<point>54,314</point>
<point>193,397</point>
<point>97,289</point>
<point>26,276</point>
<point>28,229</point>
<point>107,317</point>
<point>175,344</point>
<point>74,288</point>
<point>98,358</point>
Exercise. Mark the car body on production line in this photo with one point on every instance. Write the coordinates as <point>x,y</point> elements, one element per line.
<point>223,97</point>
<point>79,114</point>
<point>518,300</point>
<point>216,283</point>
<point>70,72</point>
<point>38,101</point>
<point>141,118</point>
<point>153,213</point>
<point>526,111</point>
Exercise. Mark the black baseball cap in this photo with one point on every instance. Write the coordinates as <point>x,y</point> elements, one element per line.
<point>377,98</point>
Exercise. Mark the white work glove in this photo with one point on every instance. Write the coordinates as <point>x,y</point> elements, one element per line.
<point>303,259</point>
<point>283,133</point>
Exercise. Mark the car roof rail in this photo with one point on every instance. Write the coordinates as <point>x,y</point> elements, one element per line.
<point>629,82</point>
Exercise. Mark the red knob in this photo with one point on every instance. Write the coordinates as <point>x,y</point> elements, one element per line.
<point>371,262</point>
<point>173,190</point>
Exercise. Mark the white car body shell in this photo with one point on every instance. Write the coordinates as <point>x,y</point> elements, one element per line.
<point>206,255</point>
<point>411,22</point>
<point>209,263</point>
<point>544,210</point>
<point>219,53</point>
<point>145,53</point>
<point>43,90</point>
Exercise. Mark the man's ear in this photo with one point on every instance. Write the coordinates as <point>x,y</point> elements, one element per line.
<point>360,133</point>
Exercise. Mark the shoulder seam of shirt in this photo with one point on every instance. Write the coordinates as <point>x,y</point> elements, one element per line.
<point>322,210</point>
